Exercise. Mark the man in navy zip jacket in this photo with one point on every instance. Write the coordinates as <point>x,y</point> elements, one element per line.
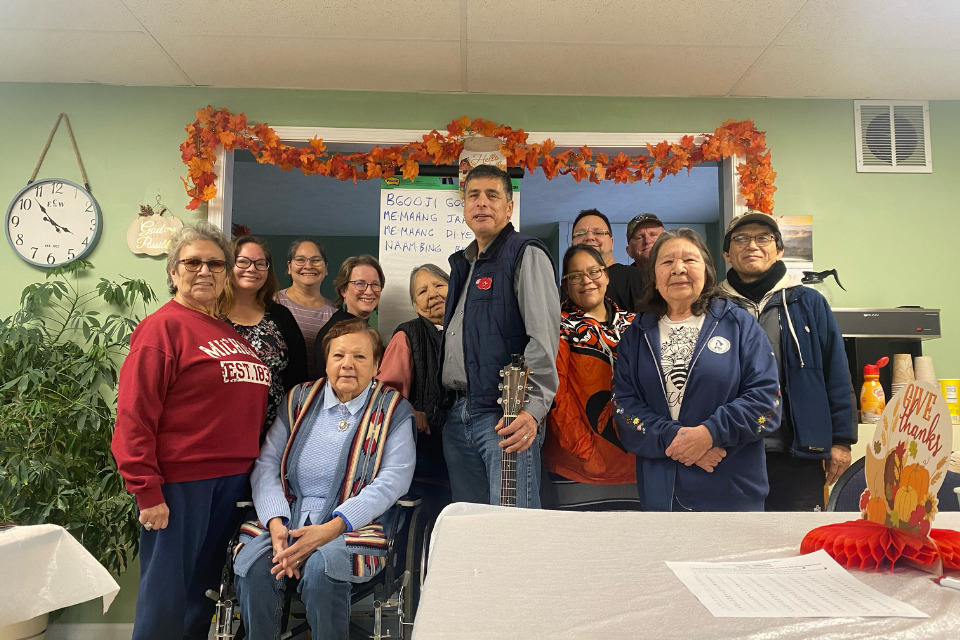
<point>819,418</point>
<point>502,300</point>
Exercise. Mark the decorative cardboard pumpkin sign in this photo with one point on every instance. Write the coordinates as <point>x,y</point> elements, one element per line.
<point>150,232</point>
<point>906,460</point>
<point>905,464</point>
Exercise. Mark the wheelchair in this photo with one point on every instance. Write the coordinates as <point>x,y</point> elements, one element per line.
<point>395,590</point>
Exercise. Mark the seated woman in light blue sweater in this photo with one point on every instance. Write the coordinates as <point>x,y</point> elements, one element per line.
<point>340,454</point>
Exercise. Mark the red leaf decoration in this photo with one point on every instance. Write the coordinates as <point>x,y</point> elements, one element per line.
<point>218,127</point>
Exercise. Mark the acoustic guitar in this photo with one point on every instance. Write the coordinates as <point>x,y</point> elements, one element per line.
<point>514,394</point>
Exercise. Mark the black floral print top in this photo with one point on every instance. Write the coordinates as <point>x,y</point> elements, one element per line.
<point>268,342</point>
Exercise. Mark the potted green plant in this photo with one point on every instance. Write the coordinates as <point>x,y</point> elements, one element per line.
<point>59,361</point>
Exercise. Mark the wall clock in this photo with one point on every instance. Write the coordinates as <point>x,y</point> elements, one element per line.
<point>53,221</point>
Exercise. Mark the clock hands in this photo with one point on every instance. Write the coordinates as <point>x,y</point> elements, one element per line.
<point>47,218</point>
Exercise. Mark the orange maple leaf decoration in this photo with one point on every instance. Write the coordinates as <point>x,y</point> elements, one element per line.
<point>219,128</point>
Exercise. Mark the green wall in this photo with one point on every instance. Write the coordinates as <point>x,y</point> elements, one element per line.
<point>892,237</point>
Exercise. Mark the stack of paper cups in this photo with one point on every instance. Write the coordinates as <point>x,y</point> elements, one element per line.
<point>902,372</point>
<point>949,388</point>
<point>923,367</point>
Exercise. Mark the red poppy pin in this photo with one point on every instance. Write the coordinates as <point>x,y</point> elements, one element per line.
<point>484,283</point>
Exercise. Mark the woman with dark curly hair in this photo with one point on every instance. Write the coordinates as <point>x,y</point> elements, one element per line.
<point>248,305</point>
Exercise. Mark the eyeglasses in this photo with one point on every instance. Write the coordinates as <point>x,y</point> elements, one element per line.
<point>363,285</point>
<point>195,264</point>
<point>301,261</point>
<point>577,276</point>
<point>596,232</point>
<point>244,263</point>
<point>762,240</point>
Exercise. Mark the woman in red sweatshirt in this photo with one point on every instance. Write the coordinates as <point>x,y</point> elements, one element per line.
<point>191,403</point>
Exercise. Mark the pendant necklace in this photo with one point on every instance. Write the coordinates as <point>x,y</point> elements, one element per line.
<point>344,422</point>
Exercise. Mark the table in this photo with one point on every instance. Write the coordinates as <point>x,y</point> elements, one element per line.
<point>502,573</point>
<point>44,568</point>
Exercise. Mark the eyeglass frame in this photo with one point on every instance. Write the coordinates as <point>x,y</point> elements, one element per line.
<point>596,232</point>
<point>256,263</point>
<point>313,261</point>
<point>580,275</point>
<point>376,287</point>
<point>745,240</point>
<point>208,263</point>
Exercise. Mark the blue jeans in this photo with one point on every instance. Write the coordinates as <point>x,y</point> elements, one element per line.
<point>179,563</point>
<point>472,450</point>
<point>326,600</point>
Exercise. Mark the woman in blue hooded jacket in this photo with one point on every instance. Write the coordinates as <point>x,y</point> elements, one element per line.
<point>695,387</point>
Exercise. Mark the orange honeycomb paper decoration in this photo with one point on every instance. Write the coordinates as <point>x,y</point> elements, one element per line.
<point>905,464</point>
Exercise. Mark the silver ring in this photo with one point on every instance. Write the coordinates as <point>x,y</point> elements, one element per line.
<point>296,563</point>
<point>148,525</point>
<point>526,437</point>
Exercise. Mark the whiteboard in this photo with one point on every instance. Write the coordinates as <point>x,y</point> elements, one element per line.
<point>421,221</point>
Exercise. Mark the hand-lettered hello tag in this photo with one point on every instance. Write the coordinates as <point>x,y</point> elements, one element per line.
<point>906,460</point>
<point>479,150</point>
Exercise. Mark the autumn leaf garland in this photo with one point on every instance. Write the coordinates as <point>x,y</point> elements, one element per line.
<point>218,127</point>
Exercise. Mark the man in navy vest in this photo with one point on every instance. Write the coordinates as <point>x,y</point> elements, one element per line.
<point>502,300</point>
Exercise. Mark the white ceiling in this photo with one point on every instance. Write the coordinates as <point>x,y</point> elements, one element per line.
<point>887,49</point>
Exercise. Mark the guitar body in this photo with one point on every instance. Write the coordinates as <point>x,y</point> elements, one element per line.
<point>514,391</point>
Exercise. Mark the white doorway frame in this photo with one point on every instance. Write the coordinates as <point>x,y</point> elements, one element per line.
<point>220,208</point>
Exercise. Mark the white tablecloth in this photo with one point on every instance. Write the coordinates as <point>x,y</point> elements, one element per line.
<point>510,573</point>
<point>43,568</point>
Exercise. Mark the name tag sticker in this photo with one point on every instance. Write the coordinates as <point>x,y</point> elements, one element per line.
<point>719,345</point>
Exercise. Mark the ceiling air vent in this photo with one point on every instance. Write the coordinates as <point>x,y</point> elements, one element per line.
<point>892,137</point>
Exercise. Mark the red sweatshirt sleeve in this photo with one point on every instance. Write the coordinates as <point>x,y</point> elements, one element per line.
<point>145,376</point>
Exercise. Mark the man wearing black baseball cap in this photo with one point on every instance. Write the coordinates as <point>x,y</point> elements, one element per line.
<point>642,231</point>
<point>818,424</point>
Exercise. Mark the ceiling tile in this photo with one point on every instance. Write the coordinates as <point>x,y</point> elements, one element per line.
<point>88,15</point>
<point>363,65</point>
<point>890,24</point>
<point>812,72</point>
<point>411,19</point>
<point>597,69</point>
<point>693,22</point>
<point>123,58</point>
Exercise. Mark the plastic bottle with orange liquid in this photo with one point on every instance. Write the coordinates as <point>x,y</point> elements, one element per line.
<point>872,400</point>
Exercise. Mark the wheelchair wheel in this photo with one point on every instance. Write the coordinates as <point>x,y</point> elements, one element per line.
<point>417,548</point>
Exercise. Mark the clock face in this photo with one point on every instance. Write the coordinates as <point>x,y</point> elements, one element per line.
<point>52,222</point>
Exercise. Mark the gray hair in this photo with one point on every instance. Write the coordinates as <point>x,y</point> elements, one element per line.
<point>188,235</point>
<point>652,301</point>
<point>430,268</point>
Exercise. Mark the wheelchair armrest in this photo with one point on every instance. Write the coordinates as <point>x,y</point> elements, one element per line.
<point>408,500</point>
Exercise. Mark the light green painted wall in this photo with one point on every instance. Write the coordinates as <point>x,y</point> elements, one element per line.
<point>892,237</point>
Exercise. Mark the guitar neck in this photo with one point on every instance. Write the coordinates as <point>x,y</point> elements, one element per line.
<point>508,473</point>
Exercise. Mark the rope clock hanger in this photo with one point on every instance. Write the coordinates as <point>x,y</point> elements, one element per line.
<point>53,221</point>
